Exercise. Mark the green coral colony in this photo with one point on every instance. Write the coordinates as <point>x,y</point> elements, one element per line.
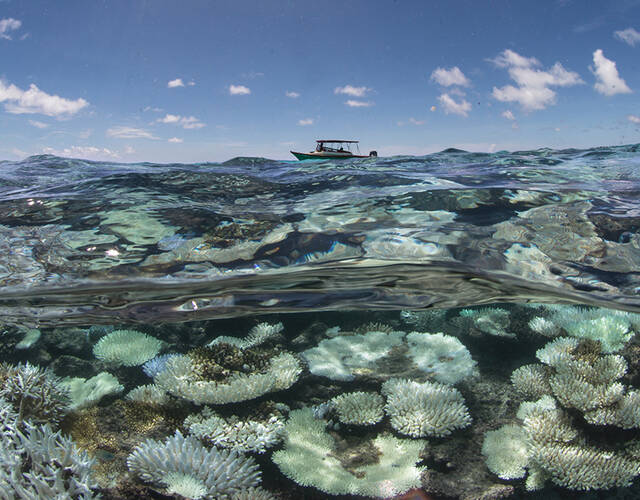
<point>418,401</point>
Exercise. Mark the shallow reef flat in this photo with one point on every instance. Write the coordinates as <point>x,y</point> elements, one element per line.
<point>500,401</point>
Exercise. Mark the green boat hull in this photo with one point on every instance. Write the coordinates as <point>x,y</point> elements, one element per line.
<point>308,156</point>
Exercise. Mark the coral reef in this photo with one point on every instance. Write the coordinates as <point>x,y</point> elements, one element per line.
<point>127,347</point>
<point>424,409</point>
<point>550,447</point>
<point>184,467</point>
<point>444,358</point>
<point>243,435</point>
<point>613,329</point>
<point>35,393</point>
<point>340,358</point>
<point>38,463</point>
<point>310,458</point>
<point>489,320</point>
<point>148,394</point>
<point>256,336</point>
<point>88,392</point>
<point>358,408</point>
<point>181,379</point>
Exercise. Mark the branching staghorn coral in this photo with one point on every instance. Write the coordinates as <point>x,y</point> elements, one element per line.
<point>185,467</point>
<point>37,463</point>
<point>424,409</point>
<point>35,393</point>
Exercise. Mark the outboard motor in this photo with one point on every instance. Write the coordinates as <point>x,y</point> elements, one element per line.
<point>373,153</point>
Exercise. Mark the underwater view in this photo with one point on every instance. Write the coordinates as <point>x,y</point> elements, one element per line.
<point>457,325</point>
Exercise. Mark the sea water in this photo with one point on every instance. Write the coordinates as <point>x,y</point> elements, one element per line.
<point>503,287</point>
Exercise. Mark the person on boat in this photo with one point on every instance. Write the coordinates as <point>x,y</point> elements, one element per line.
<point>319,147</point>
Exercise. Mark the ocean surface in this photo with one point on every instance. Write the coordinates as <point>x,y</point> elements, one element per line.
<point>502,254</point>
<point>103,242</point>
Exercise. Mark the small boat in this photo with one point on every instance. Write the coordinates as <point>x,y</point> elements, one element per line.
<point>333,149</point>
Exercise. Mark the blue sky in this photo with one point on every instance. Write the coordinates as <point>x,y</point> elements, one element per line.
<point>195,80</point>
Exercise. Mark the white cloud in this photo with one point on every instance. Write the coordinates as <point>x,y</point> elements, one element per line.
<point>129,150</point>
<point>169,119</point>
<point>187,122</point>
<point>191,83</point>
<point>358,104</point>
<point>448,77</point>
<point>7,25</point>
<point>352,91</point>
<point>608,82</point>
<point>629,36</point>
<point>122,132</point>
<point>175,140</point>
<point>532,91</point>
<point>306,121</point>
<point>451,106</point>
<point>84,152</point>
<point>634,119</point>
<point>293,95</point>
<point>508,115</point>
<point>151,108</point>
<point>38,124</point>
<point>175,83</point>
<point>34,100</point>
<point>239,90</point>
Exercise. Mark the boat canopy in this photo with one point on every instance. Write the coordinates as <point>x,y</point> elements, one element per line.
<point>336,140</point>
<point>336,146</point>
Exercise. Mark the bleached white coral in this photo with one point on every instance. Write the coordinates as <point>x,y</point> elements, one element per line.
<point>180,379</point>
<point>309,459</point>
<point>359,408</point>
<point>36,393</point>
<point>245,435</point>
<point>127,347</point>
<point>558,351</point>
<point>424,409</point>
<point>37,463</point>
<point>31,336</point>
<point>340,358</point>
<point>613,329</point>
<point>531,381</point>
<point>253,494</point>
<point>443,357</point>
<point>424,321</point>
<point>506,451</point>
<point>552,448</point>
<point>149,394</point>
<point>257,335</point>
<point>490,320</point>
<point>88,392</point>
<point>557,448</point>
<point>545,327</point>
<point>183,465</point>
